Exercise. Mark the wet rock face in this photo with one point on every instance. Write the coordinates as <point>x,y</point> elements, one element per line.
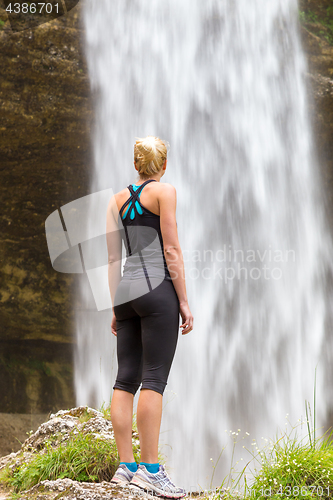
<point>44,138</point>
<point>317,40</point>
<point>35,375</point>
<point>46,115</point>
<point>14,429</point>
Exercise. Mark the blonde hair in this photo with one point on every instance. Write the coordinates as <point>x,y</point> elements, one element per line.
<point>150,154</point>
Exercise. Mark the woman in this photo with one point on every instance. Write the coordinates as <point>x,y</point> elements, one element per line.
<point>146,301</point>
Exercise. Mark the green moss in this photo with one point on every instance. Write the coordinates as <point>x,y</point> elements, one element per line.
<point>31,365</point>
<point>318,23</point>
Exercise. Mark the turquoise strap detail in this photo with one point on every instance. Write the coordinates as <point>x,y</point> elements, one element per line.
<point>137,206</point>
<point>130,203</point>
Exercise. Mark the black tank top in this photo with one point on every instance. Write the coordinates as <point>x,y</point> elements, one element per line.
<point>143,241</point>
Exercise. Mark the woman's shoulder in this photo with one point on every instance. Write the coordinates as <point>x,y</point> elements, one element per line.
<point>122,191</point>
<point>122,194</point>
<point>162,189</point>
<point>167,195</point>
<point>166,187</point>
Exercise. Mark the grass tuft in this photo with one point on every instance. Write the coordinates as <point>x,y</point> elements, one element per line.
<point>84,457</point>
<point>288,467</point>
<point>294,469</point>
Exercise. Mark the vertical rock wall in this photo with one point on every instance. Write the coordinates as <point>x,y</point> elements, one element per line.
<point>317,36</point>
<point>46,115</point>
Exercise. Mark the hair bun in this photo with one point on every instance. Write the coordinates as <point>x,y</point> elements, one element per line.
<point>150,154</point>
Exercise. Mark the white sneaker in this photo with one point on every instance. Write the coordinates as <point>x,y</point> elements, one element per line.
<point>158,483</point>
<point>122,476</point>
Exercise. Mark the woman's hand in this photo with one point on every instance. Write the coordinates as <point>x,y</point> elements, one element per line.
<point>114,325</point>
<point>187,318</point>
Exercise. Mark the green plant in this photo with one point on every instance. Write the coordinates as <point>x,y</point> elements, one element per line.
<point>294,469</point>
<point>319,24</point>
<point>86,415</point>
<point>5,475</point>
<point>15,496</point>
<point>302,16</point>
<point>290,466</point>
<point>214,467</point>
<point>307,406</point>
<point>105,410</point>
<point>85,457</point>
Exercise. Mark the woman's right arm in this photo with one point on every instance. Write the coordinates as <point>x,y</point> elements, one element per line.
<point>172,251</point>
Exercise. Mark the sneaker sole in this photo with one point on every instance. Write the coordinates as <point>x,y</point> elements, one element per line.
<point>119,482</point>
<point>150,488</point>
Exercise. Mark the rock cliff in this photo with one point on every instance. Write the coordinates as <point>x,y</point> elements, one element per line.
<point>46,117</point>
<point>316,17</point>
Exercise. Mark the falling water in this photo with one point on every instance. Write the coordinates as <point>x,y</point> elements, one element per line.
<point>223,82</point>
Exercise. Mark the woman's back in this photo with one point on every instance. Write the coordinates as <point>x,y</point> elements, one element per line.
<point>140,227</point>
<point>149,196</point>
<point>144,214</point>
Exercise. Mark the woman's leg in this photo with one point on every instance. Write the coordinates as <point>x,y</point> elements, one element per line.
<point>121,417</point>
<point>149,414</point>
<point>129,356</point>
<point>159,312</point>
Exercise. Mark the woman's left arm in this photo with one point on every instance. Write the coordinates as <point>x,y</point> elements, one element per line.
<point>113,240</point>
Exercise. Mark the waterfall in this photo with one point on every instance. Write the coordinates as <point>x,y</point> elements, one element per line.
<point>223,82</point>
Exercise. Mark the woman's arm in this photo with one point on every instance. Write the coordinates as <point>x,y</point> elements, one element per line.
<point>172,251</point>
<point>113,240</point>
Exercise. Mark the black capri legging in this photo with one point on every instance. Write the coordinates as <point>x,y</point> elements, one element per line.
<point>147,334</point>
